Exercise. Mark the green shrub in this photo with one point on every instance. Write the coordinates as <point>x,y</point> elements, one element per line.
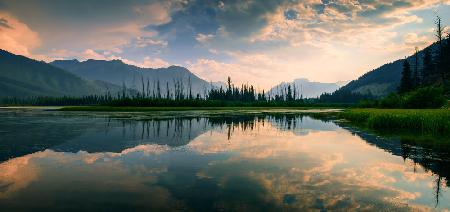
<point>427,97</point>
<point>421,98</point>
<point>391,101</point>
<point>367,104</point>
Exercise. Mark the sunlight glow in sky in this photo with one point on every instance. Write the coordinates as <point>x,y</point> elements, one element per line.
<point>262,42</point>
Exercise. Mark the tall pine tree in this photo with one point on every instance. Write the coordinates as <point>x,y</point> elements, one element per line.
<point>415,77</point>
<point>428,74</point>
<point>440,54</point>
<point>446,62</point>
<point>406,82</point>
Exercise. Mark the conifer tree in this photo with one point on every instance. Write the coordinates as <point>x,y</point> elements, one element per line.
<point>406,82</point>
<point>167,91</point>
<point>428,67</point>
<point>440,55</point>
<point>190,87</point>
<point>446,62</point>
<point>158,89</point>
<point>289,93</point>
<point>416,75</point>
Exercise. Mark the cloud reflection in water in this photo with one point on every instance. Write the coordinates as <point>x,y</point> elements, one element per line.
<point>236,163</point>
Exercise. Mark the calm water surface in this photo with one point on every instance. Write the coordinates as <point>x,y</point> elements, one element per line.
<point>211,161</point>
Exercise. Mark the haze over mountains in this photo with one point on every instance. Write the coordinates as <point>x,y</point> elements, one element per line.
<point>385,79</point>
<point>24,77</point>
<point>119,73</point>
<point>306,88</point>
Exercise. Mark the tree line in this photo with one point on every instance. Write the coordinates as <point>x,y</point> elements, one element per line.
<point>178,93</point>
<point>425,79</point>
<point>434,67</point>
<point>248,93</point>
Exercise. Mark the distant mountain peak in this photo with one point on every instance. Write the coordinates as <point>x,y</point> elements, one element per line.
<point>305,87</point>
<point>302,79</point>
<point>23,77</point>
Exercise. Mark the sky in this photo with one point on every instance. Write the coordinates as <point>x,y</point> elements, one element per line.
<point>262,42</point>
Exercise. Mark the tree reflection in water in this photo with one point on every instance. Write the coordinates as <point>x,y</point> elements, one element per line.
<point>279,160</point>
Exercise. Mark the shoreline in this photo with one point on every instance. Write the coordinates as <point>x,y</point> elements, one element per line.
<point>145,109</point>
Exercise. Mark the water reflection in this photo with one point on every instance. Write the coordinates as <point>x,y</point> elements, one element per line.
<point>214,162</point>
<point>430,154</point>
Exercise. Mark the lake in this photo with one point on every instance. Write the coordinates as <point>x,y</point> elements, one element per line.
<point>212,161</point>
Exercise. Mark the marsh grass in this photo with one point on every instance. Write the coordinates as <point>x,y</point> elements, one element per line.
<point>429,121</point>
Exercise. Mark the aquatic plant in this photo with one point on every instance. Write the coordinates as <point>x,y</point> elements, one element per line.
<point>429,121</point>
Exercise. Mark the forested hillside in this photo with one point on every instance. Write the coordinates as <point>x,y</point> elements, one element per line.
<point>24,77</point>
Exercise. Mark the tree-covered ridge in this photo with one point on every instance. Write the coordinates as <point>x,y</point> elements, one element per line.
<point>426,85</point>
<point>425,68</point>
<point>22,77</point>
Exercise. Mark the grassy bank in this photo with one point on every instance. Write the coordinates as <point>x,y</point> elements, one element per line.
<point>144,109</point>
<point>429,121</point>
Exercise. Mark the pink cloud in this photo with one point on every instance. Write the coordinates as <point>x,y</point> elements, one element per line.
<point>147,63</point>
<point>17,38</point>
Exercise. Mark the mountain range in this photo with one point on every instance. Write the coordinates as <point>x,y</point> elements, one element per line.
<point>22,77</point>
<point>118,73</point>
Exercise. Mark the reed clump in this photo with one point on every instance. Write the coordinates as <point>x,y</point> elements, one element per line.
<point>425,121</point>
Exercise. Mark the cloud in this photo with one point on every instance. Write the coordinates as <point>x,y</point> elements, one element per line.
<point>220,37</point>
<point>295,36</point>
<point>17,37</point>
<point>245,18</point>
<point>99,25</point>
<point>9,175</point>
<point>414,39</point>
<point>340,177</point>
<point>155,13</point>
<point>4,23</point>
<point>142,42</point>
<point>147,62</point>
<point>154,63</point>
<point>284,19</point>
<point>91,54</point>
<point>298,36</point>
<point>19,173</point>
<point>338,19</point>
<point>290,14</point>
<point>202,38</point>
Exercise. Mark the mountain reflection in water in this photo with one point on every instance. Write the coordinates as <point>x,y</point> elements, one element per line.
<point>254,161</point>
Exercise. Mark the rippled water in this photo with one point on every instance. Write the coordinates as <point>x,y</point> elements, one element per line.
<point>207,161</point>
